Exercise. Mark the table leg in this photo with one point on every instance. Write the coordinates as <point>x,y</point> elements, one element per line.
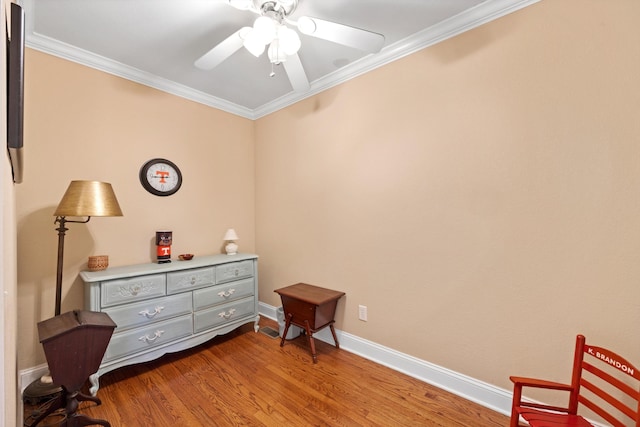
<point>287,323</point>
<point>335,338</point>
<point>312,342</point>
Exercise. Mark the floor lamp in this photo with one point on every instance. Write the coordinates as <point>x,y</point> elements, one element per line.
<point>82,199</point>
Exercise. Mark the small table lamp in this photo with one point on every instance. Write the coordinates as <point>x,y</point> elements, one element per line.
<point>231,247</point>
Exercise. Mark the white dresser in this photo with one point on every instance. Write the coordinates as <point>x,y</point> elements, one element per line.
<point>164,308</point>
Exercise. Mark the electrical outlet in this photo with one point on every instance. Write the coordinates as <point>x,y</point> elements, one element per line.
<point>362,312</point>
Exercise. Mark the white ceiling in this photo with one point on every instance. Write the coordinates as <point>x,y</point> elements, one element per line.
<point>155,42</point>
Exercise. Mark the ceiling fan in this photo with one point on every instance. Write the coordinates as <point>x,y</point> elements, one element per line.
<point>273,29</point>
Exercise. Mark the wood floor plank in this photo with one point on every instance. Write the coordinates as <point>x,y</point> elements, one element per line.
<point>246,379</point>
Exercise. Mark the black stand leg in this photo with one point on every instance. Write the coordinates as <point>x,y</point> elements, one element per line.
<point>45,410</point>
<point>74,419</point>
<point>68,402</point>
<point>83,420</point>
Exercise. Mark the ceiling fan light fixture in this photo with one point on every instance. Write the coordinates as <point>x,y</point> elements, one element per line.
<point>284,41</point>
<point>276,53</point>
<point>265,29</point>
<point>289,41</point>
<point>253,43</point>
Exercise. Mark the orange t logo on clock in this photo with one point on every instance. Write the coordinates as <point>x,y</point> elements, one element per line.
<point>163,175</point>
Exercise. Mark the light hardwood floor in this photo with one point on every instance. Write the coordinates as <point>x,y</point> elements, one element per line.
<point>245,379</point>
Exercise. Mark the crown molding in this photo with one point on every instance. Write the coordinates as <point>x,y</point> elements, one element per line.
<point>465,21</point>
<point>71,53</point>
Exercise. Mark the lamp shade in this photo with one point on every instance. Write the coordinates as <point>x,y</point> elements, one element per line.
<point>230,235</point>
<point>276,53</point>
<point>289,40</point>
<point>253,43</point>
<point>265,28</point>
<point>88,198</point>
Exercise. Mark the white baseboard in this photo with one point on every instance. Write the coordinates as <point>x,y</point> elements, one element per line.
<point>482,393</point>
<point>479,392</point>
<point>469,388</point>
<point>26,377</point>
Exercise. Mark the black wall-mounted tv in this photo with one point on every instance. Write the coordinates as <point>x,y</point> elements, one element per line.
<point>15,91</point>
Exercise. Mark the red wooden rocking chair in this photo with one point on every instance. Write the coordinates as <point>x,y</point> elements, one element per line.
<point>591,386</point>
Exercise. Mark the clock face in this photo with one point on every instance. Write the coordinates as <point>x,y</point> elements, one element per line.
<point>160,177</point>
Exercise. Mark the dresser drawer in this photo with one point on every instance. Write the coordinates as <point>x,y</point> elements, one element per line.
<point>122,291</point>
<point>222,293</point>
<point>234,271</point>
<point>190,279</point>
<point>153,310</point>
<point>221,314</point>
<point>148,337</point>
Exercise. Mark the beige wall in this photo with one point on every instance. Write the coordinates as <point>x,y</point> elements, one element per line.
<point>469,194</point>
<point>84,124</point>
<point>481,197</point>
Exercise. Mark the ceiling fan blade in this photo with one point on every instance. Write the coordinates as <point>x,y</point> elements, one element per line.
<point>295,71</point>
<point>364,40</point>
<point>221,51</point>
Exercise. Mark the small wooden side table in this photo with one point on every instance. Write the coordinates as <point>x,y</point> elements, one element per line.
<point>311,308</point>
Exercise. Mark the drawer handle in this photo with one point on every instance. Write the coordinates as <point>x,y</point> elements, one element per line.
<point>226,315</point>
<point>149,315</point>
<point>227,294</point>
<point>193,280</point>
<point>155,336</point>
<point>237,272</point>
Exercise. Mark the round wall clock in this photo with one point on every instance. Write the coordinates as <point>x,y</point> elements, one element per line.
<point>160,177</point>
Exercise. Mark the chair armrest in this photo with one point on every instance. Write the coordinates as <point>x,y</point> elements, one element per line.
<point>518,402</point>
<point>534,382</point>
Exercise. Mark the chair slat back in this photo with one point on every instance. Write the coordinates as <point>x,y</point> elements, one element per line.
<point>602,364</point>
